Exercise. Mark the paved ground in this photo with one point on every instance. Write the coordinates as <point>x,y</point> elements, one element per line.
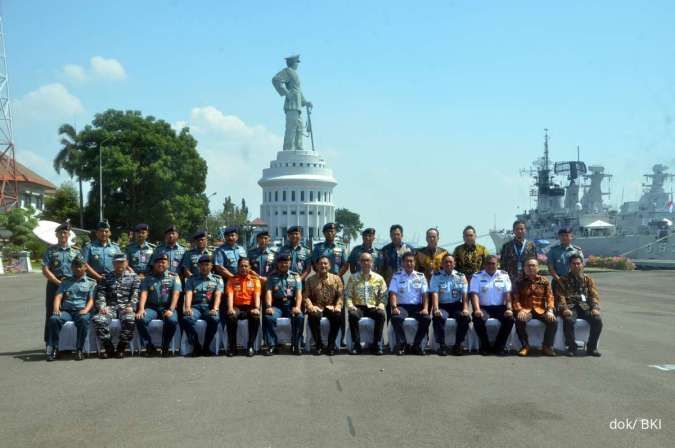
<point>348,401</point>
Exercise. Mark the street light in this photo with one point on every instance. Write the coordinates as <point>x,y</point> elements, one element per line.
<point>206,218</point>
<point>100,177</point>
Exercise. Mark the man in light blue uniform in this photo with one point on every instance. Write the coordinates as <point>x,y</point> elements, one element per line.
<point>98,255</point>
<point>203,292</point>
<point>226,257</point>
<point>408,298</point>
<point>448,294</point>
<point>190,263</point>
<point>158,300</point>
<point>300,255</point>
<point>559,256</point>
<point>171,249</point>
<point>139,253</point>
<point>73,302</point>
<point>353,263</point>
<point>262,256</point>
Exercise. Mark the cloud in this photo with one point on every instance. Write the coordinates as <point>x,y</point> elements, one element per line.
<point>236,153</point>
<point>99,68</point>
<point>51,101</point>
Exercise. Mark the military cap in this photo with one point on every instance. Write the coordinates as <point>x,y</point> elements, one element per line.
<point>230,229</point>
<point>139,227</point>
<point>64,226</point>
<point>368,231</point>
<point>199,235</point>
<point>77,261</point>
<point>171,228</point>
<point>294,229</point>
<point>283,257</point>
<point>204,259</point>
<point>161,256</point>
<point>102,225</point>
<point>328,226</point>
<point>263,233</point>
<point>119,257</point>
<point>293,57</point>
<point>564,230</point>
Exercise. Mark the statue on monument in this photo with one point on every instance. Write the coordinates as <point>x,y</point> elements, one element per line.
<point>287,83</point>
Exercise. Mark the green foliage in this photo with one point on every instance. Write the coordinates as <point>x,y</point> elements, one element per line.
<point>618,263</point>
<point>232,214</point>
<point>62,205</point>
<point>349,223</point>
<point>151,173</point>
<point>21,222</point>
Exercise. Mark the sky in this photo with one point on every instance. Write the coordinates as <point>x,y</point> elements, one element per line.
<point>426,111</point>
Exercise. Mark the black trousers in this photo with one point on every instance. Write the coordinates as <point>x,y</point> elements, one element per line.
<point>454,311</point>
<point>549,333</point>
<point>496,312</point>
<point>232,321</point>
<point>50,292</point>
<point>379,316</point>
<point>594,321</point>
<point>314,322</point>
<point>423,323</point>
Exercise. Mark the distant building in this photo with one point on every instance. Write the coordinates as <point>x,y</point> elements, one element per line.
<point>32,187</point>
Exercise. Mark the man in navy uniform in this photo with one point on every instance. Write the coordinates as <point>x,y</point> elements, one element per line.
<point>98,255</point>
<point>226,257</point>
<point>262,256</point>
<point>299,254</point>
<point>173,251</point>
<point>203,293</point>
<point>353,262</point>
<point>190,262</point>
<point>140,251</point>
<point>449,300</point>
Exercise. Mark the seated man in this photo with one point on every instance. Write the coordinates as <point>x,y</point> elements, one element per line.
<point>116,298</point>
<point>323,298</point>
<point>449,299</point>
<point>534,300</point>
<point>159,296</point>
<point>578,298</point>
<point>366,295</point>
<point>72,302</point>
<point>490,291</point>
<point>283,298</point>
<point>243,302</point>
<point>202,301</point>
<point>408,298</point>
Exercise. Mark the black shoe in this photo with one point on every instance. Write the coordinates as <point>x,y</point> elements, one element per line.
<point>331,350</point>
<point>399,350</point>
<point>231,352</point>
<point>79,356</point>
<point>419,351</point>
<point>442,350</point>
<point>593,352</point>
<point>356,349</point>
<point>499,352</point>
<point>108,349</point>
<point>484,351</point>
<point>268,351</point>
<point>150,350</point>
<point>121,349</point>
<point>296,350</point>
<point>343,345</point>
<point>318,350</point>
<point>250,352</point>
<point>457,350</point>
<point>52,355</point>
<point>208,353</point>
<point>571,353</point>
<point>408,349</point>
<point>166,353</point>
<point>379,351</point>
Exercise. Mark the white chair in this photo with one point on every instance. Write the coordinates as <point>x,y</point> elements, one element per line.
<point>200,327</point>
<point>68,338</point>
<point>115,330</point>
<point>451,334</point>
<point>492,327</point>
<point>242,335</point>
<point>535,334</point>
<point>366,332</point>
<point>582,330</point>
<point>155,328</point>
<point>325,329</point>
<point>410,329</point>
<point>283,330</point>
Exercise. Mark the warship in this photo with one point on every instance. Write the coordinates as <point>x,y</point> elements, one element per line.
<point>640,230</point>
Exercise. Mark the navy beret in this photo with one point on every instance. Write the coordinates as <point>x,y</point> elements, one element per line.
<point>328,225</point>
<point>139,227</point>
<point>204,259</point>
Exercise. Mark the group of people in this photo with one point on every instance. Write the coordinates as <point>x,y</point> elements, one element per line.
<point>180,287</point>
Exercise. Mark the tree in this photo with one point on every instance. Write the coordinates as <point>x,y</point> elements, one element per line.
<point>349,223</point>
<point>232,214</point>
<point>68,159</point>
<point>20,223</point>
<point>151,173</point>
<point>62,205</point>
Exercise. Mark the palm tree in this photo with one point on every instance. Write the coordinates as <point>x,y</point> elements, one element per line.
<point>68,158</point>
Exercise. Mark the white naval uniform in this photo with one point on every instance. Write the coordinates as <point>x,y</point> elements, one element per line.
<point>409,288</point>
<point>490,288</point>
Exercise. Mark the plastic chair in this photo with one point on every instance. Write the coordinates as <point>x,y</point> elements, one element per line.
<point>115,330</point>
<point>155,328</point>
<point>200,327</point>
<point>410,329</point>
<point>242,335</point>
<point>325,329</point>
<point>68,338</point>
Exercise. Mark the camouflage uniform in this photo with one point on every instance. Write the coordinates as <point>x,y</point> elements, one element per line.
<point>116,293</point>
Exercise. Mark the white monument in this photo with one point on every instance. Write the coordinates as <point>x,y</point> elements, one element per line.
<point>298,185</point>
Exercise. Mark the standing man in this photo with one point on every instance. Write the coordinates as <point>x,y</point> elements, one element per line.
<point>392,253</point>
<point>579,298</point>
<point>469,257</point>
<point>173,251</point>
<point>140,251</point>
<point>262,257</point>
<point>515,252</point>
<point>226,257</point>
<point>190,262</point>
<point>408,298</point>
<point>534,300</point>
<point>98,255</point>
<point>428,259</point>
<point>353,262</point>
<point>158,300</point>
<point>243,302</point>
<point>116,298</point>
<point>287,84</point>
<point>283,298</point>
<point>203,292</point>
<point>449,298</point>
<point>490,291</point>
<point>559,256</point>
<point>323,297</point>
<point>300,255</point>
<point>366,295</point>
<point>56,266</point>
<point>73,301</point>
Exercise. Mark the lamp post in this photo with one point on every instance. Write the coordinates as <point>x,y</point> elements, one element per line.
<point>100,177</point>
<point>206,218</point>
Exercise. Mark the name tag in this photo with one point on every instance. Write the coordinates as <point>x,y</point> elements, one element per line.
<point>583,298</point>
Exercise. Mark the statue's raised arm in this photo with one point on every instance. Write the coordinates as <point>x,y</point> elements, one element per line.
<point>287,84</point>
